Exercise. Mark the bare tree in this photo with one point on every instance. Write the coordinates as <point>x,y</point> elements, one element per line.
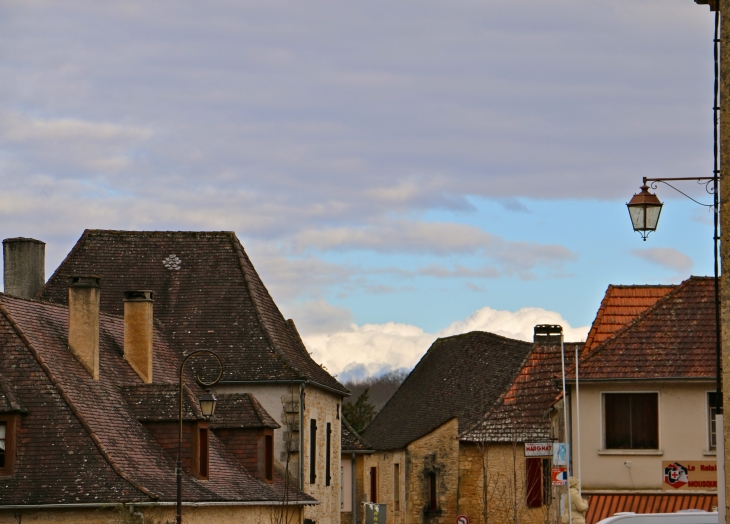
<point>284,513</point>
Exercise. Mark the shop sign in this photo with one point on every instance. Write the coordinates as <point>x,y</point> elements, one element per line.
<point>539,449</point>
<point>689,475</point>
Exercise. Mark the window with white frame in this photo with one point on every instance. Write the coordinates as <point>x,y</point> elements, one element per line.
<point>631,420</point>
<point>711,412</point>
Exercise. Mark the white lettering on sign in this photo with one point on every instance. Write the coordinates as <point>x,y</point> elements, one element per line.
<point>539,449</point>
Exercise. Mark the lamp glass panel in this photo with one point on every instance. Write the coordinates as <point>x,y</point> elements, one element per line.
<point>652,217</point>
<point>207,404</point>
<point>637,217</point>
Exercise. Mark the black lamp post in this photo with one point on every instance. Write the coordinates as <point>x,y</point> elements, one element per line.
<point>207,407</point>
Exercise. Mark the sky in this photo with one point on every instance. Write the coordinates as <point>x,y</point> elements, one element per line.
<point>397,171</point>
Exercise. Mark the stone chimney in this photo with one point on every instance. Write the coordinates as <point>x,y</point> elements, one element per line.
<point>83,321</point>
<point>547,334</point>
<point>24,266</point>
<point>138,332</point>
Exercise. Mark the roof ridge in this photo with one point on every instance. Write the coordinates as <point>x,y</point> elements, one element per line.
<point>47,370</point>
<point>599,315</point>
<point>660,302</point>
<point>243,259</point>
<point>77,245</point>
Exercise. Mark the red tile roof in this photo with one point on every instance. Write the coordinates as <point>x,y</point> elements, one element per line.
<point>207,295</point>
<point>520,414</point>
<point>621,305</point>
<point>80,440</point>
<point>675,338</point>
<point>601,506</point>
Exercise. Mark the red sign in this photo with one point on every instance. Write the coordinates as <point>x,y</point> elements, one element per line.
<point>462,519</point>
<point>560,476</point>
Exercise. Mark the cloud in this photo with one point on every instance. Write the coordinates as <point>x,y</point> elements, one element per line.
<point>372,349</point>
<point>666,257</point>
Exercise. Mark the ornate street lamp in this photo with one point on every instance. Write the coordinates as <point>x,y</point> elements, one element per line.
<point>644,210</point>
<point>207,407</point>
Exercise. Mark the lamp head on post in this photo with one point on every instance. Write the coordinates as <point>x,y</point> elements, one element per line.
<point>644,210</point>
<point>207,403</point>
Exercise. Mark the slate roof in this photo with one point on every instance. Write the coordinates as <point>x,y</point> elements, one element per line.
<point>351,442</point>
<point>207,295</point>
<point>80,440</point>
<point>675,338</point>
<point>621,305</point>
<point>241,410</point>
<point>521,413</point>
<point>461,376</point>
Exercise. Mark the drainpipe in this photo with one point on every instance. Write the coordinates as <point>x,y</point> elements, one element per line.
<point>354,488</point>
<point>301,435</point>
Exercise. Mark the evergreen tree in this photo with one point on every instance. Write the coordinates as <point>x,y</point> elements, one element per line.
<point>359,414</point>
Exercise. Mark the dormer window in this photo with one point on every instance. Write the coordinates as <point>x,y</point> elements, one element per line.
<point>8,425</point>
<point>201,450</point>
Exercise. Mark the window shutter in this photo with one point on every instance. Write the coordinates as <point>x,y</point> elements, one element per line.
<point>312,451</point>
<point>534,482</point>
<point>327,476</point>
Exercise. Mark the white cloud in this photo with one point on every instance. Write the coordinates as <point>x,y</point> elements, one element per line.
<point>372,349</point>
<point>666,257</point>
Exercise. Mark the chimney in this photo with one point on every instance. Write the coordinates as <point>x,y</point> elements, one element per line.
<point>138,332</point>
<point>83,321</point>
<point>547,334</point>
<point>24,266</point>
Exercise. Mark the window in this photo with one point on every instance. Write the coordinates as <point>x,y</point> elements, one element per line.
<point>327,458</point>
<point>374,485</point>
<point>547,482</point>
<point>534,481</point>
<point>203,452</point>
<point>7,443</point>
<point>711,412</point>
<point>631,420</point>
<point>312,451</point>
<point>3,440</point>
<point>269,457</point>
<point>396,487</point>
<point>433,502</point>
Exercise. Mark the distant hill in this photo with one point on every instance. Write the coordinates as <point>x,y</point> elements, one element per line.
<point>381,387</point>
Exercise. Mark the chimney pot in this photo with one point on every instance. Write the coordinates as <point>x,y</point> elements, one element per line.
<point>24,266</point>
<point>83,321</point>
<point>139,332</point>
<point>547,334</point>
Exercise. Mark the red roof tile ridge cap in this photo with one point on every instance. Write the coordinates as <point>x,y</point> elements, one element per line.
<point>77,245</point>
<point>638,318</point>
<point>599,317</point>
<point>242,259</point>
<point>47,370</point>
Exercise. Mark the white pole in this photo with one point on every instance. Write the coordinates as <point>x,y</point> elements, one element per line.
<point>566,407</point>
<point>577,420</point>
<point>720,451</point>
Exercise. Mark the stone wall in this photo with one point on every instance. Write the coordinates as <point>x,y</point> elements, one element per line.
<point>505,497</point>
<point>191,515</point>
<point>384,462</point>
<point>438,453</point>
<point>324,407</point>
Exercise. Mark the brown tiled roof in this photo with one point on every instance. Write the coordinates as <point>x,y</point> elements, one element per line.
<point>521,414</point>
<point>604,505</point>
<point>351,442</point>
<point>160,402</point>
<point>8,400</point>
<point>241,410</point>
<point>207,296</point>
<point>675,338</point>
<point>80,441</point>
<point>620,305</point>
<point>460,376</point>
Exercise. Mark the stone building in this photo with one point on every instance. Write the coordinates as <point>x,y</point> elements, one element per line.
<point>463,416</point>
<point>209,296</point>
<point>89,422</point>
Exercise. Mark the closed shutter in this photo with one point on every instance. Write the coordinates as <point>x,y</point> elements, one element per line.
<point>534,482</point>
